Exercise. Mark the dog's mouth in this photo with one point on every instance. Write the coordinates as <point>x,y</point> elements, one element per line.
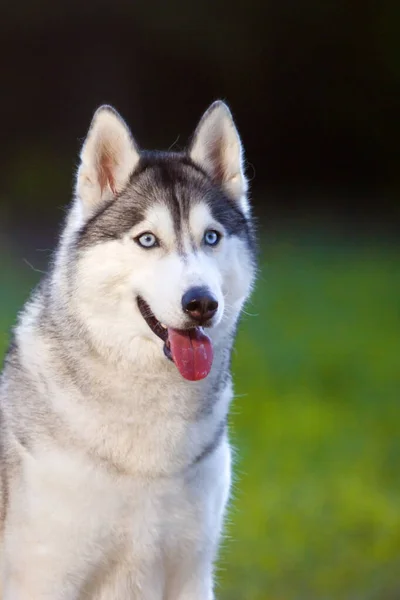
<point>190,349</point>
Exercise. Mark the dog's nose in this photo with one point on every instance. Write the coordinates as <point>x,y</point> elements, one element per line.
<point>199,304</point>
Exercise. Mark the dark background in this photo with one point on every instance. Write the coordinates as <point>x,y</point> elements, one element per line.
<point>314,86</point>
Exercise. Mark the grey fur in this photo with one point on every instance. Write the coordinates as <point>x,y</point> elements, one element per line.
<point>214,443</point>
<point>65,375</point>
<point>171,178</point>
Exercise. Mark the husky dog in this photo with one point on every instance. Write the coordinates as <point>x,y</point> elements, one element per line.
<point>115,462</point>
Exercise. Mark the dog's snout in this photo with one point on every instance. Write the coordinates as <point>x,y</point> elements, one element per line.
<point>200,304</point>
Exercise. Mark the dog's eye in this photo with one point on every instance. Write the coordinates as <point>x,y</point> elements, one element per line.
<point>211,237</point>
<point>147,240</point>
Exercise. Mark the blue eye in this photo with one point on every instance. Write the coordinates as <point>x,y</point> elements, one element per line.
<point>211,237</point>
<point>147,240</point>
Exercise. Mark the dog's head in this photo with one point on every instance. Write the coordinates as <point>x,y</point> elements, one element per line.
<point>163,241</point>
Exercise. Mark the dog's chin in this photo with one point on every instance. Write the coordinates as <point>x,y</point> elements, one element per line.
<point>188,347</point>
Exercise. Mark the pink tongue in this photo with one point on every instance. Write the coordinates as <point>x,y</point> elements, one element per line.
<point>192,352</point>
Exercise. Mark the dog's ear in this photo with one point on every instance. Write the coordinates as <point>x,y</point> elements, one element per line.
<point>217,149</point>
<point>108,157</point>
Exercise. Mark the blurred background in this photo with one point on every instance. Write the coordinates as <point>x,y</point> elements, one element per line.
<point>314,86</point>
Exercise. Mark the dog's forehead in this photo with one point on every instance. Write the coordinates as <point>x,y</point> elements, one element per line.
<point>185,190</point>
<point>174,222</point>
<point>168,191</point>
<point>171,181</point>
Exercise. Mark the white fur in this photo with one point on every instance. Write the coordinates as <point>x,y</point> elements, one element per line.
<point>107,499</point>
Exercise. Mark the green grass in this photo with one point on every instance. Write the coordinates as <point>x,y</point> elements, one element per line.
<point>316,424</point>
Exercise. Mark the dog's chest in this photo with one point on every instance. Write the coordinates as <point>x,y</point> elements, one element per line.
<point>144,428</point>
<point>84,514</point>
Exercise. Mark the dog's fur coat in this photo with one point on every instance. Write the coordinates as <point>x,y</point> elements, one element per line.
<point>115,470</point>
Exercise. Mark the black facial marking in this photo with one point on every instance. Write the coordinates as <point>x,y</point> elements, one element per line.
<point>174,180</point>
<point>112,221</point>
<point>168,179</point>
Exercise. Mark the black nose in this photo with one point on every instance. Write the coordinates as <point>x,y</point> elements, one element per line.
<point>199,304</point>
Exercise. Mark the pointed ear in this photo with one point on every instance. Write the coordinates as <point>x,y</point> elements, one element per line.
<point>108,157</point>
<point>217,149</point>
